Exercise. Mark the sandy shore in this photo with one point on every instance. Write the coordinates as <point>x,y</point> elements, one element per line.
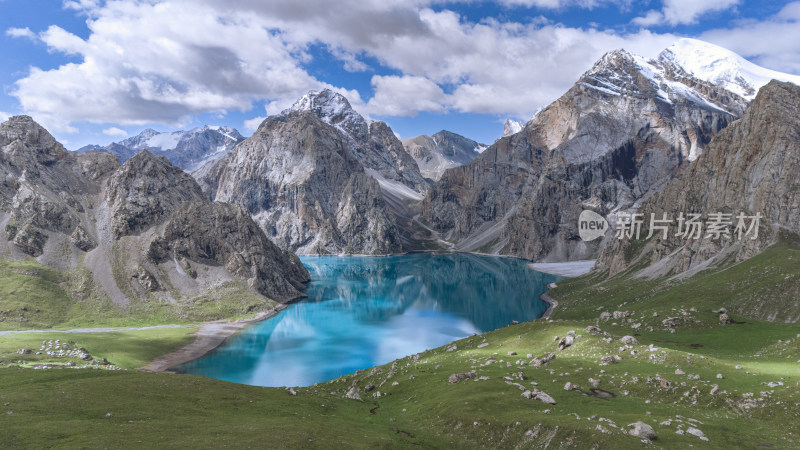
<point>210,336</point>
<point>564,269</point>
<point>551,305</point>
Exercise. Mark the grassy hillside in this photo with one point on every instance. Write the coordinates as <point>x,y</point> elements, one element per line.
<point>425,409</point>
<point>699,383</point>
<point>34,296</point>
<point>766,287</point>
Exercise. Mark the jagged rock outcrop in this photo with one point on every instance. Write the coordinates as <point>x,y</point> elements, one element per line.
<point>145,190</point>
<point>317,178</point>
<point>72,210</point>
<point>442,151</point>
<point>186,149</point>
<point>374,145</point>
<point>617,136</point>
<point>751,167</point>
<point>220,233</point>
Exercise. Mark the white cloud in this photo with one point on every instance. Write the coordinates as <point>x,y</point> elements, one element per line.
<point>4,116</point>
<point>114,131</point>
<point>405,96</point>
<point>81,5</point>
<point>163,62</point>
<point>21,32</point>
<point>252,124</point>
<point>676,12</point>
<point>757,40</point>
<point>652,17</point>
<point>59,39</point>
<point>559,4</point>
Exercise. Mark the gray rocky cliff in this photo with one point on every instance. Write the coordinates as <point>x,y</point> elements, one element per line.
<point>752,167</point>
<point>86,213</point>
<point>302,181</point>
<point>616,137</point>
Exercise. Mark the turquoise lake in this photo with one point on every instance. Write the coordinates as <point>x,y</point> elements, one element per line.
<point>366,311</point>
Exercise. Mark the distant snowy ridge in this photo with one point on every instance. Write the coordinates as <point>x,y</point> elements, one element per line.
<point>186,149</point>
<point>722,67</point>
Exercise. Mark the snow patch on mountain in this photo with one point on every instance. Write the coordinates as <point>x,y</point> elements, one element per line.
<point>512,127</point>
<point>162,141</point>
<point>722,67</point>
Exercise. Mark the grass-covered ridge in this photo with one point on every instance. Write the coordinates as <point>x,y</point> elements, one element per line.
<point>33,296</point>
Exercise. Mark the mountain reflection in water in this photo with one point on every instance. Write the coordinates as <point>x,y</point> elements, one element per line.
<point>366,311</point>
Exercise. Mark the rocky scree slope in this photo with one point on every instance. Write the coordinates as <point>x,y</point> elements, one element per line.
<point>141,230</point>
<point>617,136</point>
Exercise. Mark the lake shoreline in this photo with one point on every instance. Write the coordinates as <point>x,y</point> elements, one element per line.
<point>211,335</point>
<point>208,337</point>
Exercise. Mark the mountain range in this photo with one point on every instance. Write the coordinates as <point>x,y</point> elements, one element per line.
<point>138,232</point>
<point>186,149</point>
<point>319,178</point>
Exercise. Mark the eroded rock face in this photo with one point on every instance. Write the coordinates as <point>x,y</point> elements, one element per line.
<point>219,233</point>
<point>68,209</point>
<point>145,190</point>
<point>302,180</point>
<point>751,168</point>
<point>616,136</point>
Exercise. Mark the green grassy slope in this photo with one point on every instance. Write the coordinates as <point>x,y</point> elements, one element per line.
<point>33,296</point>
<point>666,381</point>
<point>183,410</point>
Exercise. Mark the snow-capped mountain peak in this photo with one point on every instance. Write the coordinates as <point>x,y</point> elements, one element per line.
<point>722,67</point>
<point>333,109</point>
<point>512,127</point>
<point>623,73</point>
<point>186,149</point>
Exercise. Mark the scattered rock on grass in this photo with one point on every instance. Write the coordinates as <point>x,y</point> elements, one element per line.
<point>629,340</point>
<point>566,342</point>
<point>695,432</point>
<point>353,394</point>
<point>642,430</point>
<point>456,377</point>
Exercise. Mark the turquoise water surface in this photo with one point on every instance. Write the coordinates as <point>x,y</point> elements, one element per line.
<point>366,311</point>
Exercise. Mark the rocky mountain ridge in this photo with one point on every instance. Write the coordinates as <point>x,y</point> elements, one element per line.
<point>749,169</point>
<point>123,224</point>
<point>319,179</point>
<point>617,136</point>
<point>442,151</point>
<point>186,149</point>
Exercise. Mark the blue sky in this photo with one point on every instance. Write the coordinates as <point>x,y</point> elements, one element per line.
<point>95,71</point>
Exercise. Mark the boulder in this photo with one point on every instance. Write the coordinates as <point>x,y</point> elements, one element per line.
<point>566,342</point>
<point>629,340</point>
<point>353,394</point>
<point>642,430</point>
<point>456,377</point>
